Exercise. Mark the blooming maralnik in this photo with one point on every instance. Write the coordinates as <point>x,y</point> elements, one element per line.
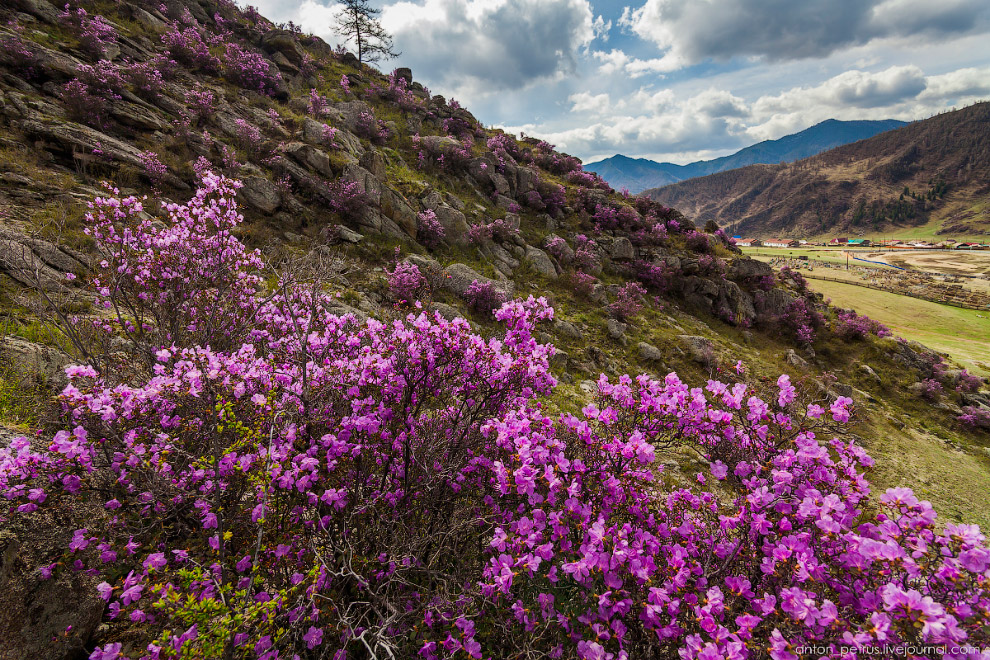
<point>281,481</point>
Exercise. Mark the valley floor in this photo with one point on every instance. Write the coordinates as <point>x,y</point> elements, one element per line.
<point>962,333</point>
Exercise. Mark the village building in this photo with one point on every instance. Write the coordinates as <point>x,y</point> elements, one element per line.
<point>748,242</point>
<point>781,242</point>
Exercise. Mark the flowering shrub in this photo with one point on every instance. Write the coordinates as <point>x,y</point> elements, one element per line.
<point>154,300</point>
<point>249,136</point>
<point>931,389</point>
<point>429,230</point>
<point>586,253</point>
<point>967,383</point>
<point>186,46</point>
<point>279,481</point>
<point>499,230</point>
<point>146,79</point>
<point>698,241</point>
<point>447,158</point>
<point>317,103</point>
<point>653,235</point>
<point>628,302</point>
<point>104,78</point>
<point>658,277</point>
<point>345,84</point>
<point>397,91</point>
<point>588,180</point>
<point>83,105</point>
<point>165,65</point>
<point>329,135</point>
<point>94,33</point>
<point>583,284</point>
<point>547,158</point>
<point>484,297</point>
<point>554,198</point>
<point>504,149</point>
<point>17,54</point>
<point>849,325</point>
<point>710,266</point>
<point>558,248</point>
<point>801,320</point>
<point>405,282</point>
<point>154,168</point>
<point>789,276</point>
<point>251,70</point>
<point>346,197</point>
<point>976,417</point>
<point>372,129</point>
<point>308,66</point>
<point>200,103</point>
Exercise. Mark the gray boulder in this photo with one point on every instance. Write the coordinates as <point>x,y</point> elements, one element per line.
<point>284,42</point>
<point>649,352</point>
<point>35,361</point>
<point>53,619</point>
<point>623,249</point>
<point>454,223</point>
<point>260,193</point>
<point>374,162</point>
<point>541,262</point>
<point>745,268</point>
<point>795,360</point>
<point>700,349</point>
<point>460,277</point>
<point>310,157</point>
<point>616,329</point>
<point>567,329</point>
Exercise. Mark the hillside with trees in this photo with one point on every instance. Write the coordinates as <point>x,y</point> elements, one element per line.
<point>299,360</point>
<point>933,171</point>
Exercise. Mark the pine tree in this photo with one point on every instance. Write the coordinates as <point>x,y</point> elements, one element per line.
<point>358,21</point>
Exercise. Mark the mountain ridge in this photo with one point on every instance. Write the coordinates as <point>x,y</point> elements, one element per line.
<point>639,174</point>
<point>930,171</point>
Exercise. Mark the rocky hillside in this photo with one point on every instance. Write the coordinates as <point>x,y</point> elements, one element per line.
<point>639,174</point>
<point>935,169</point>
<point>232,357</point>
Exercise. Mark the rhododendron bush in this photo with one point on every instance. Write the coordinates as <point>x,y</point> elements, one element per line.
<point>280,481</point>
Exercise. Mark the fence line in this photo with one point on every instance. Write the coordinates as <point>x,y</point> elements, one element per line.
<point>939,301</point>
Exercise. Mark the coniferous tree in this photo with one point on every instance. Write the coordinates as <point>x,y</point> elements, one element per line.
<point>358,21</point>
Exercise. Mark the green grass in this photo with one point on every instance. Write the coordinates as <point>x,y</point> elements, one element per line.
<point>962,333</point>
<point>18,404</point>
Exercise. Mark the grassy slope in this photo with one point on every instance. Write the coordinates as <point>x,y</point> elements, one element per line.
<point>962,333</point>
<point>905,457</point>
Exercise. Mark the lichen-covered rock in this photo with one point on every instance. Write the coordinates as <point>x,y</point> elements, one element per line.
<point>567,329</point>
<point>459,279</point>
<point>746,268</point>
<point>622,249</point>
<point>260,193</point>
<point>374,163</point>
<point>616,329</point>
<point>541,262</point>
<point>454,223</point>
<point>310,157</point>
<point>52,619</point>
<point>32,360</point>
<point>284,42</point>
<point>649,352</point>
<point>700,349</point>
<point>395,207</point>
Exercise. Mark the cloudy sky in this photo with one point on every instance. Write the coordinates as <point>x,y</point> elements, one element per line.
<point>680,80</point>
